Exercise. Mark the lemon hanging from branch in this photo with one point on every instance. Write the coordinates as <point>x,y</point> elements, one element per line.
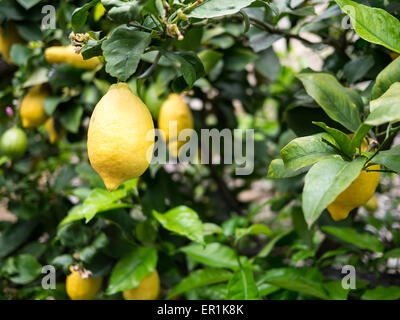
<point>80,286</point>
<point>148,289</point>
<point>120,137</point>
<point>358,193</point>
<point>67,54</point>
<point>174,114</point>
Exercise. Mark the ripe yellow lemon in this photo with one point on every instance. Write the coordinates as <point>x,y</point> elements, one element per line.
<point>8,36</point>
<point>54,130</point>
<point>148,289</point>
<point>32,110</point>
<point>357,194</point>
<point>79,288</point>
<point>174,112</point>
<point>59,54</point>
<point>120,137</point>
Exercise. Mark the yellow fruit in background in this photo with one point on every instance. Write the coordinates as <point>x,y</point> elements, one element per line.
<point>148,289</point>
<point>358,193</point>
<point>79,288</point>
<point>372,204</point>
<point>174,109</point>
<point>32,110</point>
<point>59,54</point>
<point>54,130</point>
<point>120,137</point>
<point>8,36</point>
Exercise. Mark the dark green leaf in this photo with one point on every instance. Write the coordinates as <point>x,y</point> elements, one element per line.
<point>360,240</point>
<point>79,16</point>
<point>183,221</point>
<point>242,286</point>
<point>324,182</point>
<point>123,49</point>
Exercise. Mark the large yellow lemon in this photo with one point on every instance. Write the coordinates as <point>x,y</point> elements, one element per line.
<point>55,132</point>
<point>357,194</point>
<point>120,137</point>
<point>58,54</point>
<point>79,288</point>
<point>8,36</point>
<point>148,289</point>
<point>174,111</point>
<point>32,110</point>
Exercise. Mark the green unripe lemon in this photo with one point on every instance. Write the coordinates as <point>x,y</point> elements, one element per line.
<point>14,143</point>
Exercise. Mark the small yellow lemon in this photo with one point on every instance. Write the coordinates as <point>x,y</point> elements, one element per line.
<point>54,130</point>
<point>174,113</point>
<point>59,54</point>
<point>372,204</point>
<point>32,110</point>
<point>8,36</point>
<point>357,194</point>
<point>148,289</point>
<point>120,137</point>
<point>79,288</point>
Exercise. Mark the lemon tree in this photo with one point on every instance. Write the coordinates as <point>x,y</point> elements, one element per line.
<point>81,96</point>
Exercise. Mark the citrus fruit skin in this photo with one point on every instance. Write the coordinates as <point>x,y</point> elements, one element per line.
<point>32,111</point>
<point>54,135</point>
<point>174,109</point>
<point>148,289</point>
<point>360,191</point>
<point>66,54</point>
<point>82,289</point>
<point>120,136</point>
<point>8,36</point>
<point>13,143</point>
<point>357,194</point>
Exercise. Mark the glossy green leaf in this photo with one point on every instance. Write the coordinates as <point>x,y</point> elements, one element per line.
<point>183,221</point>
<point>252,230</point>
<point>386,78</point>
<point>382,293</point>
<point>360,240</point>
<point>373,24</point>
<point>324,182</point>
<point>389,158</point>
<point>340,104</point>
<point>99,200</point>
<point>123,49</point>
<point>303,280</point>
<point>277,170</point>
<point>27,269</point>
<point>242,286</point>
<point>191,66</point>
<point>386,108</point>
<point>335,290</point>
<point>200,278</point>
<point>357,68</point>
<point>122,11</point>
<point>217,8</point>
<point>131,269</point>
<point>342,139</point>
<point>304,151</point>
<point>210,58</point>
<point>213,255</point>
<point>79,16</point>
